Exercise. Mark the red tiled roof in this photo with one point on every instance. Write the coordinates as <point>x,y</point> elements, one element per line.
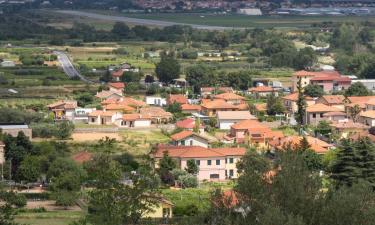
<point>101,113</point>
<point>334,114</point>
<point>261,107</point>
<point>317,145</point>
<point>334,99</point>
<point>197,152</point>
<point>248,124</point>
<point>190,107</point>
<point>119,107</point>
<point>262,89</point>
<point>181,99</point>
<point>188,123</point>
<point>322,108</point>
<point>181,135</point>
<point>229,96</point>
<point>135,116</point>
<point>118,85</point>
<point>218,104</point>
<point>349,125</point>
<point>82,157</point>
<point>368,114</point>
<point>360,99</point>
<point>294,96</point>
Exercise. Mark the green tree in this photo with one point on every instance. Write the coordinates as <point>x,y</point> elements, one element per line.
<point>221,40</point>
<point>274,105</point>
<point>323,128</point>
<point>64,129</point>
<point>175,107</point>
<point>357,89</point>
<point>305,58</point>
<point>121,30</point>
<point>167,69</point>
<point>130,76</point>
<point>314,90</point>
<point>192,167</point>
<point>301,104</point>
<point>354,112</point>
<point>166,165</point>
<point>200,75</point>
<point>30,169</point>
<point>8,209</point>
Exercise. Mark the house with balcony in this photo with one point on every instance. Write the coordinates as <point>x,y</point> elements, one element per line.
<point>63,109</point>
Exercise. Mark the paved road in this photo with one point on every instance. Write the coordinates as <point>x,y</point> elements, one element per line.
<point>137,21</point>
<point>68,67</point>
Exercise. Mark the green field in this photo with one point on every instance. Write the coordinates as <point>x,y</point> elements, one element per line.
<point>49,218</point>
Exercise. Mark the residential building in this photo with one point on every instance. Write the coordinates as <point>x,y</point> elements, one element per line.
<point>108,95</point>
<point>190,108</point>
<point>250,11</point>
<point>189,124</point>
<point>100,117</point>
<point>63,109</point>
<point>332,100</point>
<point>156,101</point>
<point>315,113</point>
<point>359,101</point>
<point>215,164</point>
<point>367,118</point>
<point>158,115</point>
<point>317,145</point>
<point>348,128</point>
<point>180,99</point>
<point>162,209</point>
<point>335,116</point>
<point>262,91</point>
<point>370,104</point>
<point>368,83</point>
<point>116,87</point>
<point>231,98</point>
<point>226,119</point>
<point>211,107</point>
<point>121,108</point>
<point>259,109</point>
<point>14,129</point>
<point>189,138</point>
<point>290,102</point>
<point>134,120</point>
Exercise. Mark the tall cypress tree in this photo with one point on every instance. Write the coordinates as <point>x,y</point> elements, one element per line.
<point>366,154</point>
<point>301,104</point>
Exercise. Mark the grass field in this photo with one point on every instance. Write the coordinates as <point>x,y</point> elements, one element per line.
<point>49,218</point>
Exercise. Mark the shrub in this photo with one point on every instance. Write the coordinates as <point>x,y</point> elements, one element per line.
<point>188,181</point>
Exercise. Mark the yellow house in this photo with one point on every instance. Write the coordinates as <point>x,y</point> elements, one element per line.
<point>348,128</point>
<point>164,209</point>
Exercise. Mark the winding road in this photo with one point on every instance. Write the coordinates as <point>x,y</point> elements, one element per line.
<point>68,66</point>
<point>136,21</point>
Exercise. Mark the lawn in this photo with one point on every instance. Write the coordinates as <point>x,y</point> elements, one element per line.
<point>48,218</point>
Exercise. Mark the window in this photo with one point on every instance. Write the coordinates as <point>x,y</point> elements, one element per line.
<point>209,162</point>
<point>214,176</point>
<point>217,162</point>
<point>183,142</point>
<point>231,160</point>
<point>166,212</point>
<point>314,115</point>
<point>321,115</point>
<point>226,173</point>
<point>92,120</point>
<point>191,142</point>
<point>231,173</point>
<point>198,162</point>
<point>226,161</point>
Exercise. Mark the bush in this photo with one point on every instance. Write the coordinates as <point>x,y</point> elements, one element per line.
<point>43,130</point>
<point>188,181</point>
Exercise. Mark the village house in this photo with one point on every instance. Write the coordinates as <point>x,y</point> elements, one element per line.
<point>367,118</point>
<point>315,113</point>
<point>156,101</point>
<point>211,107</point>
<point>347,128</point>
<point>332,100</point>
<point>215,164</point>
<point>124,101</point>
<point>158,115</point>
<point>290,102</point>
<point>116,87</point>
<point>180,99</point>
<point>100,117</point>
<point>370,104</point>
<point>189,124</point>
<point>318,146</point>
<point>121,108</point>
<point>14,129</point>
<point>162,209</point>
<point>335,116</point>
<point>63,109</point>
<point>190,109</point>
<point>134,120</point>
<point>189,138</point>
<point>108,95</point>
<point>262,91</point>
<point>328,80</point>
<point>207,91</point>
<point>231,98</point>
<point>259,109</point>
<point>226,119</point>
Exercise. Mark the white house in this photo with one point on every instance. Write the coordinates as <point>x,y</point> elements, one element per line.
<point>100,117</point>
<point>189,138</point>
<point>156,101</point>
<point>7,63</point>
<point>226,119</point>
<point>134,120</point>
<point>82,114</point>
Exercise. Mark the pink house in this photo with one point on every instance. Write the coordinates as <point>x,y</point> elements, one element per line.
<point>215,164</point>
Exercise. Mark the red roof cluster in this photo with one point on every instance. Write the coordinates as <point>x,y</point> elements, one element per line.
<point>197,152</point>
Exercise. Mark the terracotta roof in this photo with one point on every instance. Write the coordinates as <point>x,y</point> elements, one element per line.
<point>181,135</point>
<point>362,134</point>
<point>197,152</point>
<point>190,107</point>
<point>317,145</point>
<point>349,125</point>
<point>322,108</point>
<point>119,107</point>
<point>101,113</point>
<point>133,102</point>
<point>181,99</point>
<point>67,104</point>
<point>294,96</point>
<point>135,116</point>
<point>218,104</point>
<point>156,112</point>
<point>188,123</point>
<point>371,101</point>
<point>109,101</point>
<point>118,85</point>
<point>303,73</point>
<point>368,114</point>
<point>117,73</point>
<point>334,99</point>
<point>235,115</point>
<point>262,89</point>
<point>106,94</point>
<point>82,157</point>
<point>248,124</point>
<point>229,96</point>
<point>360,99</point>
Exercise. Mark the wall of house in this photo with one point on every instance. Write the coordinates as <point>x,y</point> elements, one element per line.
<point>193,141</point>
<point>142,123</point>
<point>205,170</point>
<point>305,80</point>
<point>150,100</point>
<point>157,211</point>
<point>232,166</point>
<point>326,85</point>
<point>225,124</point>
<point>367,121</point>
<point>94,120</point>
<point>314,120</point>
